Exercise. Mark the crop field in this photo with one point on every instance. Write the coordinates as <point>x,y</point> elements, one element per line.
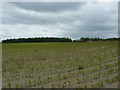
<point>60,65</point>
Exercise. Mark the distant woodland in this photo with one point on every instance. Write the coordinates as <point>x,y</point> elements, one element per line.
<point>86,39</point>
<point>55,39</point>
<point>37,39</point>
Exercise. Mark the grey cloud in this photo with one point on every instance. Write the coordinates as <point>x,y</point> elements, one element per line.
<point>49,6</point>
<point>11,16</point>
<point>72,20</point>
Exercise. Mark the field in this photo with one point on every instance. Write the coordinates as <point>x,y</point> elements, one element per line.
<point>60,65</point>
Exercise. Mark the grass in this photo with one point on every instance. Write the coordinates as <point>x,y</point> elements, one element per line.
<point>58,64</point>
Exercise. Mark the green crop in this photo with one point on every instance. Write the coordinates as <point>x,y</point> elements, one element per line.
<point>60,65</point>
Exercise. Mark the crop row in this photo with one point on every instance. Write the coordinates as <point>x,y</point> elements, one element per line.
<point>74,74</point>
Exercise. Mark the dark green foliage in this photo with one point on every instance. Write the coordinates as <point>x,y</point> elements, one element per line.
<point>55,39</point>
<point>80,67</point>
<point>39,39</point>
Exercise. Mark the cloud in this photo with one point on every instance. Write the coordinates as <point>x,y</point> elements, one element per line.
<point>74,20</point>
<point>49,6</point>
<point>16,31</point>
<point>38,13</point>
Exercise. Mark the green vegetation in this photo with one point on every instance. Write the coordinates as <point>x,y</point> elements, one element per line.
<point>60,65</point>
<point>37,39</point>
<point>55,39</point>
<point>80,67</point>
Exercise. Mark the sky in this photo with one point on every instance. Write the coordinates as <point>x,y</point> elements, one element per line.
<point>59,19</point>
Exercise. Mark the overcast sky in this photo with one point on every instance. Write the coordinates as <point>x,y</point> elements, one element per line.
<point>59,19</point>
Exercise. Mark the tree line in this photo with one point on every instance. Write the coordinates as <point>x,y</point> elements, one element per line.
<point>55,39</point>
<point>87,39</point>
<point>37,39</point>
